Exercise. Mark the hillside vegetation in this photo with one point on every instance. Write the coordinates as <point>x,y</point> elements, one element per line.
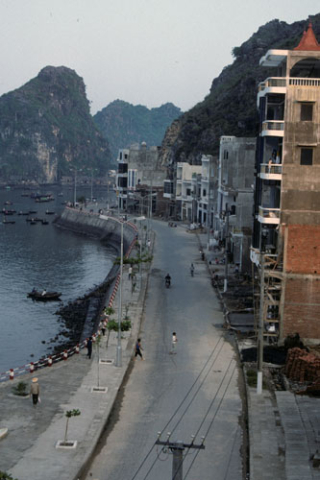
<point>46,129</point>
<point>230,107</point>
<point>124,124</point>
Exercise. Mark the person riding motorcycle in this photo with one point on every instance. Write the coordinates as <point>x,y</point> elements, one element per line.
<point>168,280</point>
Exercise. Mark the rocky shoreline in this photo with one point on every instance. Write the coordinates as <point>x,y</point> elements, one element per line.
<point>81,317</point>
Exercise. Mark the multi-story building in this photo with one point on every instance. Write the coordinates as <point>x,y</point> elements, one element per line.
<point>207,191</point>
<point>140,175</point>
<point>286,239</point>
<point>186,195</point>
<point>235,197</point>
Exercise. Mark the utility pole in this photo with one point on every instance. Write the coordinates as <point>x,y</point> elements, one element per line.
<point>260,332</point>
<point>177,449</point>
<point>226,253</point>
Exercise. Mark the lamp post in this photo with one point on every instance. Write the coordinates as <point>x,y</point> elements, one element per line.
<point>91,183</point>
<point>74,169</point>
<point>119,349</point>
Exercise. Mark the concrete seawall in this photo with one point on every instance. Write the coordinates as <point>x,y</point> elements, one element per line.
<point>106,229</point>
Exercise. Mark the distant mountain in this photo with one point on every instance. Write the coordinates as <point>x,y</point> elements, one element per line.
<point>230,108</point>
<point>124,124</point>
<point>46,129</point>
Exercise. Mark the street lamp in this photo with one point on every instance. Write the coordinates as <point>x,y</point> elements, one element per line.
<point>74,169</point>
<point>91,184</point>
<point>119,349</point>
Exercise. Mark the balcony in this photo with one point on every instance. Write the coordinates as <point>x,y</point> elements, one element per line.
<point>269,216</point>
<point>278,85</point>
<point>271,171</point>
<point>272,128</point>
<point>275,85</point>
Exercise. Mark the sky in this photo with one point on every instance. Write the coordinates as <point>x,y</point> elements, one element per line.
<point>145,52</point>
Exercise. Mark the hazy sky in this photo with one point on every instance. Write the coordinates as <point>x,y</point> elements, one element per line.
<point>145,52</point>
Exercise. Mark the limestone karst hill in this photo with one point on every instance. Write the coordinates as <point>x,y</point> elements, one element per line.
<point>46,129</point>
<point>124,124</point>
<point>230,107</point>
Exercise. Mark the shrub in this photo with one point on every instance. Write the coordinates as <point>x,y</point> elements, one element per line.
<point>20,389</point>
<point>124,327</point>
<point>6,476</point>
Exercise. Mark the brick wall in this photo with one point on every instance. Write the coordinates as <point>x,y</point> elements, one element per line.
<point>302,307</point>
<point>303,249</point>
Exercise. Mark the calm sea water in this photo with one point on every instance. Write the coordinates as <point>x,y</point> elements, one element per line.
<point>42,256</point>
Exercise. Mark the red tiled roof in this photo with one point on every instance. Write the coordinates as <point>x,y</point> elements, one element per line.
<point>308,41</point>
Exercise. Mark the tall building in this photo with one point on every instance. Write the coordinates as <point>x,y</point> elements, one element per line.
<point>286,239</point>
<point>233,221</point>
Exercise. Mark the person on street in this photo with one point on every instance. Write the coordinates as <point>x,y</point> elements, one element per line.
<point>167,280</point>
<point>35,391</point>
<point>89,347</point>
<point>174,343</point>
<point>138,349</point>
<point>192,269</point>
<point>130,272</point>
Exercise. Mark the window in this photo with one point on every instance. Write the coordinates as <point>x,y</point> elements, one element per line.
<point>306,156</point>
<point>225,154</point>
<point>204,192</point>
<point>122,168</point>
<point>306,112</point>
<point>188,192</point>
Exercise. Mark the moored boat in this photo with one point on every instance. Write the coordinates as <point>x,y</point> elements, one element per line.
<point>44,296</point>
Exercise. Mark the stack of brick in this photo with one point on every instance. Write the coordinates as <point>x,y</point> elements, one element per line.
<point>302,366</point>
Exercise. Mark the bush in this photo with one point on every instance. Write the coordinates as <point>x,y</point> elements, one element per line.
<point>124,327</point>
<point>6,476</point>
<point>20,389</point>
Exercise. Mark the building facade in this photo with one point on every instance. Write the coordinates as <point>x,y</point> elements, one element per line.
<point>233,220</point>
<point>286,239</point>
<point>140,178</point>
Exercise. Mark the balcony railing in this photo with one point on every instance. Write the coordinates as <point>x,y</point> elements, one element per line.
<point>273,128</point>
<point>304,82</point>
<point>272,82</point>
<point>269,215</point>
<point>271,171</point>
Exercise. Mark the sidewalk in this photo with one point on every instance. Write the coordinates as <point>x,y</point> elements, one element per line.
<point>283,428</point>
<point>29,449</point>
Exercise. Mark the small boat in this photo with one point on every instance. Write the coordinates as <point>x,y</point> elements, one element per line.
<point>7,222</point>
<point>8,212</point>
<point>32,212</point>
<point>44,222</point>
<point>50,212</point>
<point>8,202</point>
<point>44,296</point>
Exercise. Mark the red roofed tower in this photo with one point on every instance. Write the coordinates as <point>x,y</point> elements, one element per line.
<point>308,41</point>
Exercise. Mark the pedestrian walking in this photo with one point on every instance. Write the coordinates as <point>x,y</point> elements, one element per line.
<point>35,391</point>
<point>174,341</point>
<point>130,273</point>
<point>138,349</point>
<point>89,347</point>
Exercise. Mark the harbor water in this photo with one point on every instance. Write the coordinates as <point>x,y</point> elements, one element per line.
<point>42,256</point>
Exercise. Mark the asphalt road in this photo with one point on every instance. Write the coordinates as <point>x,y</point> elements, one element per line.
<point>194,392</point>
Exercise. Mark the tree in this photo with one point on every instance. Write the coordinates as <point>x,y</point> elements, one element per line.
<point>70,413</point>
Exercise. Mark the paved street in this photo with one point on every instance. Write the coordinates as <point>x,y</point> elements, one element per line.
<point>193,392</point>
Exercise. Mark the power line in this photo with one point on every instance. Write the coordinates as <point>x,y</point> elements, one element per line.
<point>216,412</point>
<point>178,408</point>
